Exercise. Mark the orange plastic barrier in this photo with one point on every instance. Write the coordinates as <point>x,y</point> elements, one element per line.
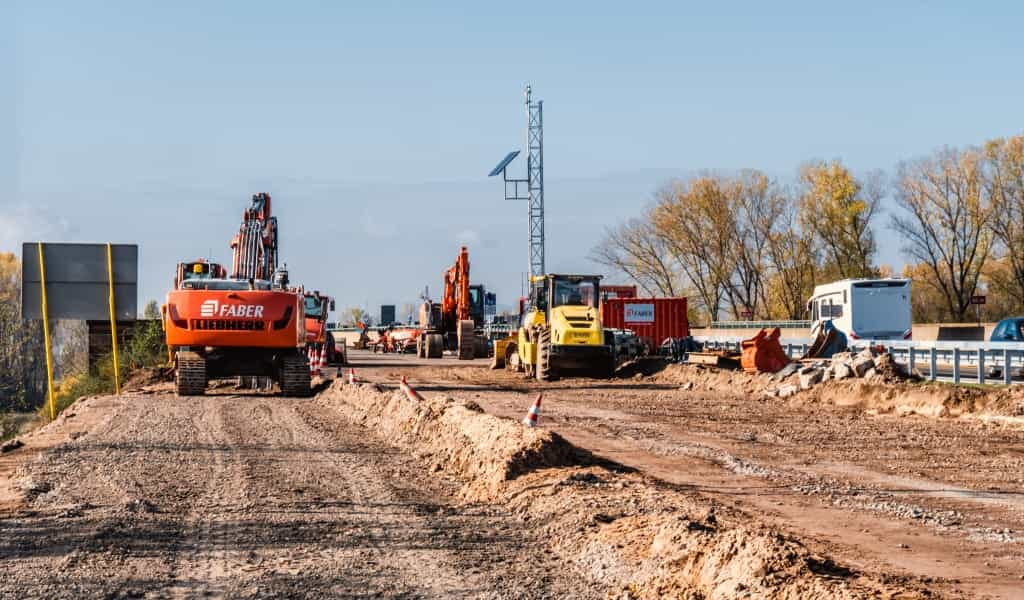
<point>763,353</point>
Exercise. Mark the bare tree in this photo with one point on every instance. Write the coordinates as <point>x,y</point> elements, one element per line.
<point>946,222</point>
<point>691,219</point>
<point>755,206</point>
<point>792,257</point>
<point>639,251</point>
<point>1005,185</point>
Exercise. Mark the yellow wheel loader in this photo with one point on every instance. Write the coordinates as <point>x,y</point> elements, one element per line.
<point>560,331</point>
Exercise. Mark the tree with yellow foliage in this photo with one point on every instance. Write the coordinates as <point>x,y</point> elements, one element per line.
<point>22,362</point>
<point>838,208</point>
<point>1004,179</point>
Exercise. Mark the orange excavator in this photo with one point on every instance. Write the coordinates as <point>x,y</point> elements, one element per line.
<point>318,339</point>
<point>452,324</point>
<point>248,324</point>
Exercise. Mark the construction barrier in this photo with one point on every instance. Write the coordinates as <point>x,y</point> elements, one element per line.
<point>409,392</point>
<point>530,420</point>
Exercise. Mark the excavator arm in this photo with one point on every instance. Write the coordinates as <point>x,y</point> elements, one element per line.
<point>255,246</point>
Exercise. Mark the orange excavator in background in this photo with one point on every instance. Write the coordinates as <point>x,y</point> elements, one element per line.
<point>318,339</point>
<point>249,324</point>
<point>452,324</point>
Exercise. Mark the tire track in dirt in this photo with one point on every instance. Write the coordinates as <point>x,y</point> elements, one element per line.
<point>255,496</point>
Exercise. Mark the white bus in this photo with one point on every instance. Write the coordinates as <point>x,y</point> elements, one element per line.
<point>864,309</point>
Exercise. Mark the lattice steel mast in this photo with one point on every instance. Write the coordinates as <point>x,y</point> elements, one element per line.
<point>534,181</point>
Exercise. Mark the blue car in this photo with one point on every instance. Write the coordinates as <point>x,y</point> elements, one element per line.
<point>1008,330</point>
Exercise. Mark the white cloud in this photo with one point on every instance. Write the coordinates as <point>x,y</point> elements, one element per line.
<point>27,224</point>
<point>374,228</point>
<point>467,237</point>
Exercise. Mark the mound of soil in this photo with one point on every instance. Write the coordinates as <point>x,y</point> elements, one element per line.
<point>886,392</point>
<point>644,366</point>
<point>638,537</point>
<point>457,437</point>
<point>147,376</point>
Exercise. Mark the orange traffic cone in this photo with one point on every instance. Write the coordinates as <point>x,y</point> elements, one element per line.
<point>409,392</point>
<point>352,376</point>
<point>309,359</point>
<point>323,357</point>
<point>530,420</point>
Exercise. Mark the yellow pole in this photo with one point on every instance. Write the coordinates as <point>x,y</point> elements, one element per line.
<point>46,332</point>
<point>113,320</point>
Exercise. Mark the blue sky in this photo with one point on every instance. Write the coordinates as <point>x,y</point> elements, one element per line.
<point>373,125</point>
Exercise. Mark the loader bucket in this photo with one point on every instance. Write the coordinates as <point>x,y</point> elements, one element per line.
<point>763,353</point>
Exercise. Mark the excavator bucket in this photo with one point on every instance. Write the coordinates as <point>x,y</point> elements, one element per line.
<point>827,342</point>
<point>763,353</point>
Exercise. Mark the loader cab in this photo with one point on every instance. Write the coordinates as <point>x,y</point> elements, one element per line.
<point>553,291</point>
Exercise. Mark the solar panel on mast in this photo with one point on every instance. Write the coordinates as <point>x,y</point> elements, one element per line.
<point>534,181</point>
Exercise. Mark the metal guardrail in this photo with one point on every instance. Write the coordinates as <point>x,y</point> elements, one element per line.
<point>760,324</point>
<point>938,361</point>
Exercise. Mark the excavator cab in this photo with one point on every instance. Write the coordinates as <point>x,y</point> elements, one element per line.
<point>198,269</point>
<point>561,330</point>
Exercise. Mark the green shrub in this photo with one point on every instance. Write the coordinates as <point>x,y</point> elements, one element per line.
<point>145,349</point>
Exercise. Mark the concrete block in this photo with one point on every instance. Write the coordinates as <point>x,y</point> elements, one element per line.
<point>810,379</point>
<point>788,390</point>
<point>861,364</point>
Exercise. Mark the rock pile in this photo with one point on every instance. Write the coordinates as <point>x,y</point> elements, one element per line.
<point>868,364</point>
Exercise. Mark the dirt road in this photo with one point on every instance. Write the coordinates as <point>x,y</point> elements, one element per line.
<point>233,495</point>
<point>941,500</point>
<point>249,496</point>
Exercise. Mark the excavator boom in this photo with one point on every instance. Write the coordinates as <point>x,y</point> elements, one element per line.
<point>255,246</point>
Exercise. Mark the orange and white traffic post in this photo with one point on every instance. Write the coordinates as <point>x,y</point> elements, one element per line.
<point>409,392</point>
<point>534,413</point>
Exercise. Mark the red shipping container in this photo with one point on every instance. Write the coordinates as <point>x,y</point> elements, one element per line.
<point>653,319</point>
<point>617,291</point>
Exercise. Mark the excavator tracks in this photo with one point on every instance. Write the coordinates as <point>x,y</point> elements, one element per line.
<point>190,376</point>
<point>467,340</point>
<point>295,377</point>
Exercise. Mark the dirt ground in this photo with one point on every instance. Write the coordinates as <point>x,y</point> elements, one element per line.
<point>667,484</point>
<point>249,496</point>
<point>938,499</point>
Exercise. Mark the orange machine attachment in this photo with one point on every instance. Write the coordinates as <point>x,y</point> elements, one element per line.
<point>763,353</point>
